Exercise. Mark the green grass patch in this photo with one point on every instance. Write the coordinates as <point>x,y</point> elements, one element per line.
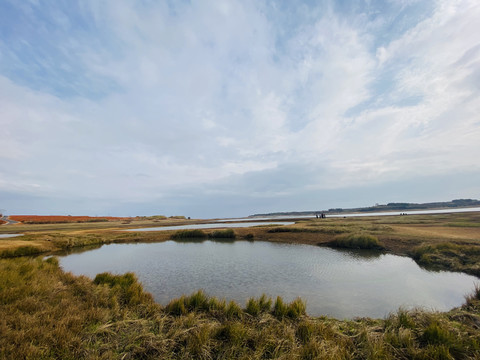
<point>449,256</point>
<point>189,234</point>
<point>357,241</point>
<point>126,288</point>
<point>258,306</point>
<point>20,251</point>
<point>293,310</point>
<point>197,302</point>
<point>157,217</point>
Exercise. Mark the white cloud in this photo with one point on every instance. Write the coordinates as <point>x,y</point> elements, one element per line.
<point>143,100</point>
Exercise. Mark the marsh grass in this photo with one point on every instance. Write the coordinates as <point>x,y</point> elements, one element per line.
<point>189,234</point>
<point>286,229</point>
<point>474,297</point>
<point>293,310</point>
<point>200,235</point>
<point>357,241</point>
<point>223,234</point>
<point>258,306</point>
<point>249,237</point>
<point>126,288</point>
<point>315,229</point>
<point>20,251</point>
<point>49,314</point>
<point>449,256</point>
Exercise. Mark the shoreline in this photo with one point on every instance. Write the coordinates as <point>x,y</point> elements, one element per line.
<point>438,241</point>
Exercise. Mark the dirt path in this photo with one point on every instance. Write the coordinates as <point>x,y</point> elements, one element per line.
<point>9,222</point>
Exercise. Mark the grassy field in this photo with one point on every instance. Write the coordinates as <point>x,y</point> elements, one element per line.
<point>49,314</point>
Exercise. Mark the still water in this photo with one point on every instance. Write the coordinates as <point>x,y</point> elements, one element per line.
<point>213,226</point>
<point>342,284</point>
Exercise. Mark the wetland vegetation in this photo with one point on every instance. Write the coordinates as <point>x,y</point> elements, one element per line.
<point>47,313</point>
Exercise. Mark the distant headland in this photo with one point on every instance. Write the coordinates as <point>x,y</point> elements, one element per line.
<point>458,203</point>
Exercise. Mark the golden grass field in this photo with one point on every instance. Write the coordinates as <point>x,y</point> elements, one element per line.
<point>50,314</point>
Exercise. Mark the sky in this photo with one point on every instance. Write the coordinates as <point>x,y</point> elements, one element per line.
<point>231,108</point>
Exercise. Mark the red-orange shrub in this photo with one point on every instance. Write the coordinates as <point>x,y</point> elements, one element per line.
<point>57,219</point>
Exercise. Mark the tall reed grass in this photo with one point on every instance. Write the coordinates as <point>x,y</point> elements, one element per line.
<point>189,234</point>
<point>223,234</point>
<point>357,241</point>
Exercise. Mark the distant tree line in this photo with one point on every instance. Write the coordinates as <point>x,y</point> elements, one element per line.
<point>390,206</point>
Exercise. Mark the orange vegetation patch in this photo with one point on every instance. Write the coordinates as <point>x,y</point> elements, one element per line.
<point>54,219</point>
<point>2,222</point>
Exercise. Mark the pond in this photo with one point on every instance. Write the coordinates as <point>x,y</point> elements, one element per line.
<point>4,236</point>
<point>342,284</point>
<point>213,226</point>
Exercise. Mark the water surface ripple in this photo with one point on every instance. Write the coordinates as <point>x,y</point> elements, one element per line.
<point>342,284</point>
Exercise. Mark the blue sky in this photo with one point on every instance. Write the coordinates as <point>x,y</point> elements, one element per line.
<point>229,108</point>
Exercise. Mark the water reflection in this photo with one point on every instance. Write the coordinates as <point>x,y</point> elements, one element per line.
<point>361,254</point>
<point>78,250</point>
<point>5,236</point>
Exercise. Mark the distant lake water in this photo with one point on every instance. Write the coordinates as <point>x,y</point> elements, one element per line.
<point>342,284</point>
<point>212,226</point>
<point>4,236</point>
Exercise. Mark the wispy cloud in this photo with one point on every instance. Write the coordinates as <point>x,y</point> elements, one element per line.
<point>138,104</point>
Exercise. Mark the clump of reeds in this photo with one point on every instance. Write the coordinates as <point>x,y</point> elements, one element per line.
<point>20,251</point>
<point>357,241</point>
<point>197,302</point>
<point>126,287</point>
<point>189,234</point>
<point>293,310</point>
<point>258,306</point>
<point>281,229</point>
<point>473,298</point>
<point>222,234</point>
<point>249,237</point>
<point>200,302</point>
<point>449,256</point>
